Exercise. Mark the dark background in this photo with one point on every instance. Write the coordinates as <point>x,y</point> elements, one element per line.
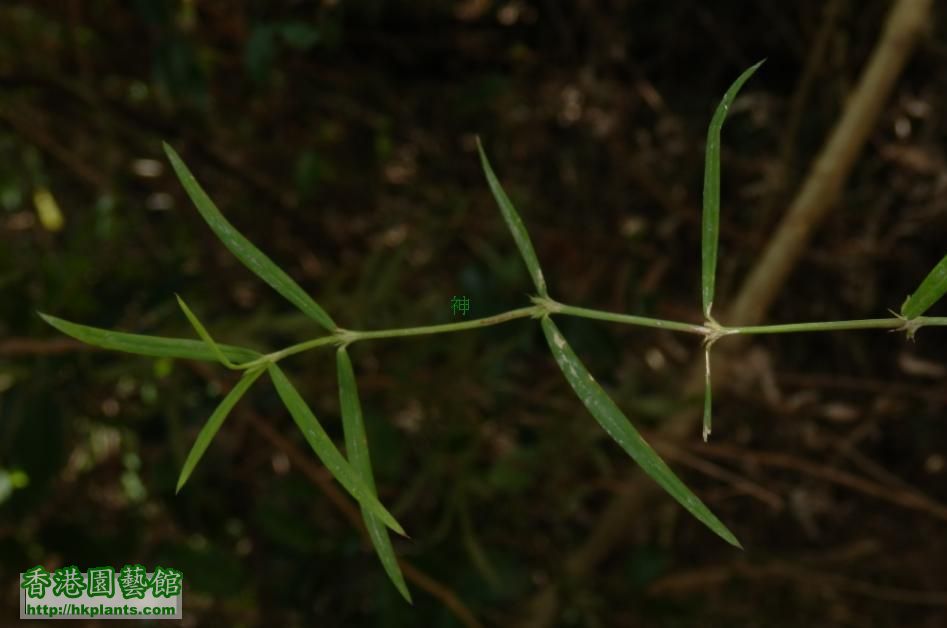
<point>339,137</point>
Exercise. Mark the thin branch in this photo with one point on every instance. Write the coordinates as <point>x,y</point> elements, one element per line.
<point>740,483</point>
<point>704,578</point>
<point>911,499</point>
<point>320,477</point>
<point>13,347</point>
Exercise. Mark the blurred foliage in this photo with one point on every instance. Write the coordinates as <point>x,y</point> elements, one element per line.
<point>340,137</point>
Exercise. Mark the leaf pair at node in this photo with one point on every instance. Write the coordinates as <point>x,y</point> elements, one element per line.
<point>354,474</point>
<point>710,228</point>
<point>592,396</point>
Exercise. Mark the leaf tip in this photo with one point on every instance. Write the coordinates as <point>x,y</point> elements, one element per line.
<point>396,527</point>
<point>708,395</point>
<point>904,304</point>
<point>405,592</point>
<point>56,323</point>
<point>484,162</point>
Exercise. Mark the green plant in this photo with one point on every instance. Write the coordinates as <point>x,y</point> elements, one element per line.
<point>355,472</point>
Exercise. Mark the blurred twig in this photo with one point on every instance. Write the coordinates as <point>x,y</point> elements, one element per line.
<point>321,477</point>
<point>905,497</point>
<point>129,123</point>
<point>815,61</point>
<point>742,484</point>
<point>24,122</point>
<point>30,346</point>
<point>706,578</point>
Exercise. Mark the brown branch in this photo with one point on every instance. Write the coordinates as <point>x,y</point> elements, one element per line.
<point>718,575</point>
<point>316,473</point>
<point>670,451</point>
<point>906,498</point>
<point>319,476</point>
<point>129,123</point>
<point>29,346</point>
<point>23,123</point>
<point>447,597</point>
<point>815,62</point>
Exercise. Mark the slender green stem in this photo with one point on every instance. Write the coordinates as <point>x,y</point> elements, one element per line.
<point>628,319</point>
<point>523,312</point>
<point>788,328</point>
<point>346,336</point>
<point>300,347</point>
<point>546,305</point>
<point>870,323</point>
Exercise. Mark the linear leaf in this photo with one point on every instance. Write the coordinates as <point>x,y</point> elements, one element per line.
<point>356,445</point>
<point>708,394</point>
<point>710,221</point>
<point>515,224</point>
<point>204,334</point>
<point>252,257</point>
<point>928,293</point>
<point>213,424</point>
<point>156,346</point>
<point>326,450</point>
<point>617,425</point>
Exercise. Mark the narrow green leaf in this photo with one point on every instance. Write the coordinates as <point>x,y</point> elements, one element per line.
<point>515,224</point>
<point>356,445</point>
<point>928,293</point>
<point>617,425</point>
<point>708,394</point>
<point>710,227</point>
<point>213,424</point>
<point>204,335</point>
<point>243,249</point>
<point>155,346</point>
<point>326,450</point>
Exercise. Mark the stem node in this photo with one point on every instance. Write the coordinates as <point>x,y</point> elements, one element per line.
<point>546,305</point>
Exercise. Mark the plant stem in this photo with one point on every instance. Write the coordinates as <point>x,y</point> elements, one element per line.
<point>549,306</point>
<point>345,336</point>
<point>871,323</point>
<point>523,312</point>
<point>628,319</point>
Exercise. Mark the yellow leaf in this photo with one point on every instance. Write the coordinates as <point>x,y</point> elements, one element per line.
<point>48,210</point>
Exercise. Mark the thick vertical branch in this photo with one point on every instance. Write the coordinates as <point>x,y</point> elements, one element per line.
<point>834,163</point>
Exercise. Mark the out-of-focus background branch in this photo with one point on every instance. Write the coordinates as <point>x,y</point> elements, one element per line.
<point>340,138</point>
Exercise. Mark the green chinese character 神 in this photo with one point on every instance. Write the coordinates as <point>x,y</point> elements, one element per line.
<point>36,581</point>
<point>459,304</point>
<point>101,581</point>
<point>131,580</point>
<point>69,581</point>
<point>166,582</point>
